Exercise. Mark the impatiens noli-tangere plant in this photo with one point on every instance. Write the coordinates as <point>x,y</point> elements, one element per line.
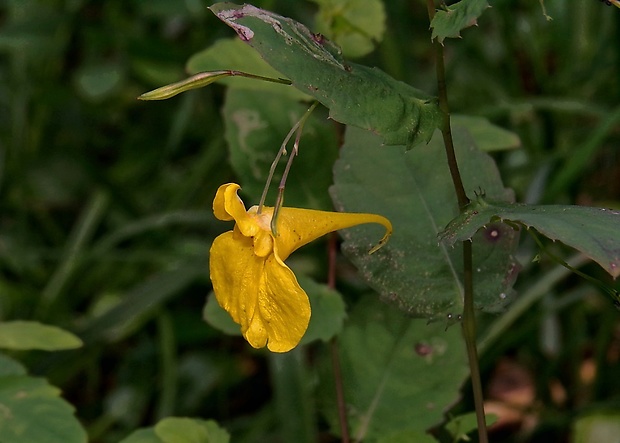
<point>397,158</point>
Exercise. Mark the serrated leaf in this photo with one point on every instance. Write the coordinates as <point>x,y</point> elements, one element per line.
<point>399,374</point>
<point>33,412</point>
<point>256,124</point>
<point>354,25</point>
<point>449,22</point>
<point>27,335</point>
<point>232,53</point>
<point>328,313</point>
<point>488,137</point>
<point>414,190</point>
<point>593,231</point>
<point>355,94</point>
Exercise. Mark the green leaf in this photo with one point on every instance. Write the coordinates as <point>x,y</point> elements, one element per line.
<point>328,313</point>
<point>256,127</point>
<point>26,335</point>
<point>33,412</point>
<point>142,436</point>
<point>597,427</point>
<point>354,25</point>
<point>217,317</point>
<point>355,94</point>
<point>232,53</point>
<point>488,137</point>
<point>190,430</point>
<point>399,374</point>
<point>407,436</point>
<point>293,396</point>
<point>180,430</point>
<point>8,366</point>
<point>96,82</point>
<point>414,190</point>
<point>449,22</point>
<point>462,425</point>
<point>593,231</point>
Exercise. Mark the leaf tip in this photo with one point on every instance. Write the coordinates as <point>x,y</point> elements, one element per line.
<point>231,15</point>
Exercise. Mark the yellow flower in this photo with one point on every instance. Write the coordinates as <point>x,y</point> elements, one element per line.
<point>249,277</point>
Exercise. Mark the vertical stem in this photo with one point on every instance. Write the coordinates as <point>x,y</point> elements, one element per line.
<point>469,333</point>
<point>469,318</point>
<point>342,406</point>
<point>334,349</point>
<point>446,130</point>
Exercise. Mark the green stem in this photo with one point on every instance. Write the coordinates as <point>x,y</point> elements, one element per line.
<point>300,127</point>
<point>297,128</point>
<point>342,405</point>
<point>446,129</point>
<point>274,165</point>
<point>469,333</point>
<point>469,317</point>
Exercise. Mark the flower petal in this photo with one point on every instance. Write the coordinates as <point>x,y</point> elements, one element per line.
<point>260,293</point>
<point>234,272</point>
<point>297,227</point>
<point>228,206</point>
<point>283,306</point>
<point>219,202</point>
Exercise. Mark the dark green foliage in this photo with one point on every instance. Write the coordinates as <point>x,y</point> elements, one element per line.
<point>413,189</point>
<point>106,223</point>
<point>355,94</point>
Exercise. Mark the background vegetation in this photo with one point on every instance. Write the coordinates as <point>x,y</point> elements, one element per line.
<point>105,220</point>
